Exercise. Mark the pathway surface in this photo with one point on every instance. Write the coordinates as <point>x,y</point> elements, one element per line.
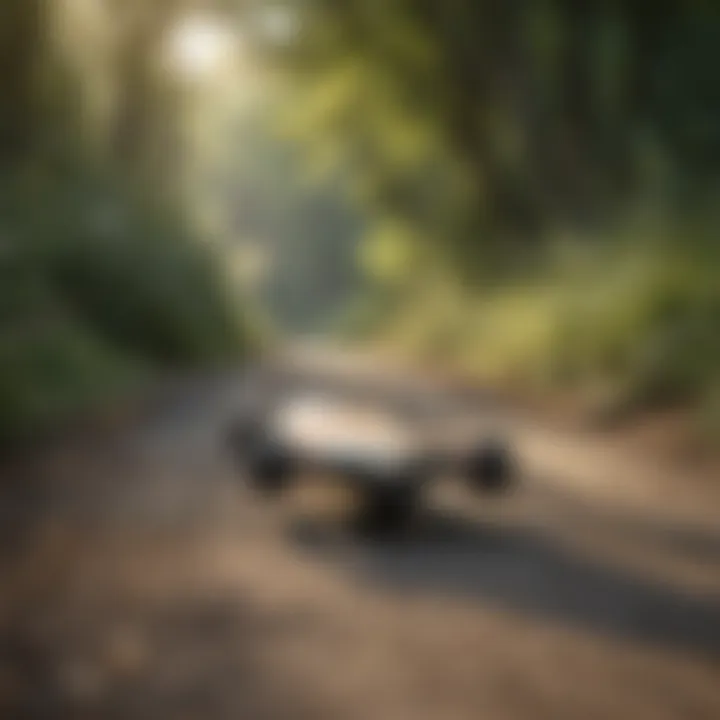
<point>141,580</point>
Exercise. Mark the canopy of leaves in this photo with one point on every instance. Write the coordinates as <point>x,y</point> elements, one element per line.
<point>545,112</point>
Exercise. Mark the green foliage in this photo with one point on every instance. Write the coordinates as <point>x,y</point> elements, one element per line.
<point>388,255</point>
<point>479,134</point>
<point>52,370</point>
<point>96,290</point>
<point>543,102</point>
<point>630,328</point>
<point>103,280</point>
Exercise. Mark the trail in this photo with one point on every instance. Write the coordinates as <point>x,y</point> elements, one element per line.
<point>141,580</point>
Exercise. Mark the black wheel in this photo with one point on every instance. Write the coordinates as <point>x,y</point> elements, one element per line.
<point>389,510</point>
<point>491,468</point>
<point>270,468</point>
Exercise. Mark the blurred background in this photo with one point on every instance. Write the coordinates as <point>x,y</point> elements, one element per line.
<point>526,192</point>
<point>521,194</point>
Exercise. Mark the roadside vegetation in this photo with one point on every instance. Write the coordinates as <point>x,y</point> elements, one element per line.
<point>540,183</point>
<point>524,191</point>
<point>104,281</point>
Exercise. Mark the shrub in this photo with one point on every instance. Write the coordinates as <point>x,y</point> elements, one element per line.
<point>98,289</point>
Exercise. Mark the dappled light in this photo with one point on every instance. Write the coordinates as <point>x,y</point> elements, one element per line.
<point>199,46</point>
<point>359,359</point>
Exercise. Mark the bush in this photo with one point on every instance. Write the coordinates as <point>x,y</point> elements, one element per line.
<point>97,290</point>
<point>634,319</point>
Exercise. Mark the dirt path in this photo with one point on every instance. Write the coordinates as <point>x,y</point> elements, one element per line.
<point>140,580</point>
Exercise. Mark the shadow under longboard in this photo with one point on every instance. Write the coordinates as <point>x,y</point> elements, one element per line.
<point>521,569</point>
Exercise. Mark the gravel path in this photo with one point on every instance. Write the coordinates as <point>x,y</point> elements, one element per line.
<point>141,580</point>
